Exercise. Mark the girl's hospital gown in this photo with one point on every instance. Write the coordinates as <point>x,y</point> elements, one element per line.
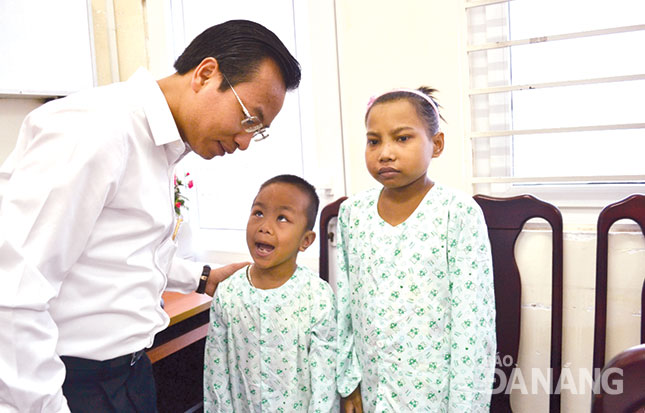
<point>271,350</point>
<point>416,305</point>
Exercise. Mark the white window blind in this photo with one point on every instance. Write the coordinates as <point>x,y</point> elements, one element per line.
<point>556,96</point>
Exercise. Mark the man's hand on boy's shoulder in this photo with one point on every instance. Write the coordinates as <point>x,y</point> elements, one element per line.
<point>218,275</point>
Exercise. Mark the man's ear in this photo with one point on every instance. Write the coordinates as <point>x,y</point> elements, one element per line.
<point>307,239</point>
<point>437,141</point>
<point>207,70</point>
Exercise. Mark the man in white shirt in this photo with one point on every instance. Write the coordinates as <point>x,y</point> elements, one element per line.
<point>86,218</point>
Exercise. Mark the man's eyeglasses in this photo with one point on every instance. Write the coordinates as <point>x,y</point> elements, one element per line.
<point>251,124</point>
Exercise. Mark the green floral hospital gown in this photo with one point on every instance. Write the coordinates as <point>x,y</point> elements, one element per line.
<point>416,305</point>
<point>271,350</point>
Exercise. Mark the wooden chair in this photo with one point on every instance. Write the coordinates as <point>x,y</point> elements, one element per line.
<point>633,208</point>
<point>609,397</point>
<point>328,212</point>
<point>505,218</point>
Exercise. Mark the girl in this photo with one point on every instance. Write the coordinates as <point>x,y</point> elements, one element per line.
<point>416,317</point>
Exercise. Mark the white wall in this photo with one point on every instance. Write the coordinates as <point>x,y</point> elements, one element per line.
<point>626,273</point>
<point>12,112</point>
<point>384,45</point>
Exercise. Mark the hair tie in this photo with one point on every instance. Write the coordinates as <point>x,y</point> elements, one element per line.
<point>427,98</point>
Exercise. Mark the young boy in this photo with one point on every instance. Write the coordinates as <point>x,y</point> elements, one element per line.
<point>271,340</point>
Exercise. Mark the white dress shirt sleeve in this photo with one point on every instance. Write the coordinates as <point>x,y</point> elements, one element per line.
<point>183,276</point>
<point>53,188</point>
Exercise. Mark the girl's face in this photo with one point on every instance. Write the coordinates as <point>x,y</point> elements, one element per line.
<point>399,150</point>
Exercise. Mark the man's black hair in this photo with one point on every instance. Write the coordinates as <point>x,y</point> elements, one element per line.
<point>240,46</point>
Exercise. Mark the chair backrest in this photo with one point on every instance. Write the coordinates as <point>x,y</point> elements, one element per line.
<point>620,387</point>
<point>328,212</point>
<point>633,208</point>
<point>505,218</point>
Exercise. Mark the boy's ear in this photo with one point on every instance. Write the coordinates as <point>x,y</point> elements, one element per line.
<point>307,239</point>
<point>437,141</point>
<point>207,69</point>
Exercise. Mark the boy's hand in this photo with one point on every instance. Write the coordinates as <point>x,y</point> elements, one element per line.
<point>218,275</point>
<point>353,402</point>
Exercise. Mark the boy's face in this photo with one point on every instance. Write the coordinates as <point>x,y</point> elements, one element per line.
<point>277,228</point>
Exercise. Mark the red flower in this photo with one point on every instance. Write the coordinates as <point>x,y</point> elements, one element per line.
<point>180,199</point>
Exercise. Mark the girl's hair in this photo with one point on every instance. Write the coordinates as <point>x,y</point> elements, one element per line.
<point>422,99</point>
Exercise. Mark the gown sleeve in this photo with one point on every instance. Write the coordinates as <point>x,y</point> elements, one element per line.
<point>348,370</point>
<point>473,338</point>
<point>322,353</point>
<point>217,379</point>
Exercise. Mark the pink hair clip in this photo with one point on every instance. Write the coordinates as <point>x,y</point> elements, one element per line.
<point>371,101</point>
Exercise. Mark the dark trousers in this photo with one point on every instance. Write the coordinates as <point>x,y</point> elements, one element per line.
<point>110,386</point>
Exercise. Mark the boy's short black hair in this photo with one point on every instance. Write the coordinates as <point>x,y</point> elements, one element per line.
<point>306,188</point>
<point>240,46</point>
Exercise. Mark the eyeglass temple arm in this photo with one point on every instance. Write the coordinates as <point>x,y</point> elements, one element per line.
<point>246,112</point>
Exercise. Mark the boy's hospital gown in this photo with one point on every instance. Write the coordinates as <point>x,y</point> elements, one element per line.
<point>416,305</point>
<point>271,350</point>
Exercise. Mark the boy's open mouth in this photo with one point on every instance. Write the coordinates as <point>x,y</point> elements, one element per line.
<point>264,249</point>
